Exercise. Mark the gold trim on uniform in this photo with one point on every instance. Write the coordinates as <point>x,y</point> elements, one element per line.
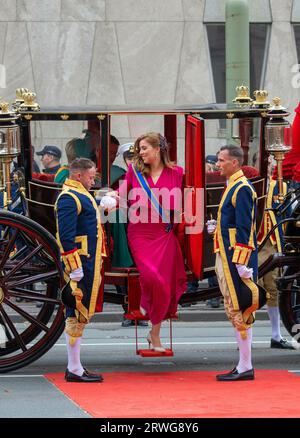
<point>78,187</point>
<point>72,261</point>
<point>100,249</point>
<point>74,328</point>
<point>218,235</point>
<point>78,294</point>
<point>97,275</point>
<point>66,192</point>
<point>83,250</point>
<point>232,237</point>
<point>255,300</point>
<point>241,255</point>
<point>269,218</point>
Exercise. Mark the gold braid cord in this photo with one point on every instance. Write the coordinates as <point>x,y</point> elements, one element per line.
<point>78,294</point>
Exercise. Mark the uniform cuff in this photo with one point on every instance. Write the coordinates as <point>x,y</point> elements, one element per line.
<point>241,254</point>
<point>71,260</point>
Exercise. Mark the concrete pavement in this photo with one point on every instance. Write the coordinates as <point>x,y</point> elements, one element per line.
<point>196,312</point>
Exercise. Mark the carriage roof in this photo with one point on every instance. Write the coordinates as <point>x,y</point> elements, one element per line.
<point>207,111</point>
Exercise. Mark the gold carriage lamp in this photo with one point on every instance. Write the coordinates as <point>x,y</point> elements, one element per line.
<point>9,146</point>
<point>278,137</point>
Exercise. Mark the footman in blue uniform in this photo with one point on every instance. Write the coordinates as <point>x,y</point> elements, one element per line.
<point>80,238</point>
<point>236,256</point>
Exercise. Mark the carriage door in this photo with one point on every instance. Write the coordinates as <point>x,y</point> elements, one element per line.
<point>194,198</point>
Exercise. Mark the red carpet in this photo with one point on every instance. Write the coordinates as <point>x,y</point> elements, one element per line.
<point>185,394</point>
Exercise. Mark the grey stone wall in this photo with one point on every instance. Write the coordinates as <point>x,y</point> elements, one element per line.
<point>76,52</point>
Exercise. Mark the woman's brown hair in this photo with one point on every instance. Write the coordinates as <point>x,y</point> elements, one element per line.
<point>70,150</point>
<point>156,140</point>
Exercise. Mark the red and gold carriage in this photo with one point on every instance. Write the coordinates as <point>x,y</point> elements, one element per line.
<point>31,313</point>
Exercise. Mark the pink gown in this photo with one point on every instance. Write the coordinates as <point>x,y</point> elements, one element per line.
<point>156,252</point>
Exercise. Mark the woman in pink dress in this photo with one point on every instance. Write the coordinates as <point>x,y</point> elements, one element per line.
<point>153,244</point>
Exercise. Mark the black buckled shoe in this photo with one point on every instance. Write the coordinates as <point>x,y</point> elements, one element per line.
<point>142,323</point>
<point>89,373</point>
<point>283,344</point>
<point>234,376</point>
<point>86,377</point>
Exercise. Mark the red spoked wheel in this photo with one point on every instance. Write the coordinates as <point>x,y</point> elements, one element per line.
<point>31,276</point>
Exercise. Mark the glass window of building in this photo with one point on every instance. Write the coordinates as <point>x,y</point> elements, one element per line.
<point>297,39</point>
<point>258,45</point>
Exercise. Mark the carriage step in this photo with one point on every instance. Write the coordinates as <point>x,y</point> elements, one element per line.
<point>153,353</point>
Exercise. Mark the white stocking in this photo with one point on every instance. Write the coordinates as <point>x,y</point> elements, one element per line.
<point>245,363</point>
<point>74,364</point>
<point>273,313</point>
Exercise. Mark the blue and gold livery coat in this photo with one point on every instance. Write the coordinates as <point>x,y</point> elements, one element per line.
<point>270,219</point>
<point>235,240</point>
<point>80,238</point>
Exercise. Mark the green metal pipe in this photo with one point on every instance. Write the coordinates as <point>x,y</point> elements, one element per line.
<point>237,48</point>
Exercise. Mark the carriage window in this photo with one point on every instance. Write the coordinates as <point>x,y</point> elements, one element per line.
<point>249,142</point>
<point>70,139</point>
<point>258,52</point>
<point>56,144</point>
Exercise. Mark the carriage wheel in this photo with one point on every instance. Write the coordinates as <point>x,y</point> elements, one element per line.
<point>289,304</point>
<point>31,314</point>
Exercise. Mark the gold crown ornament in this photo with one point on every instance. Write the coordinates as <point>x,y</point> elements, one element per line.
<point>19,95</point>
<point>6,113</point>
<point>4,107</point>
<point>29,103</point>
<point>260,99</point>
<point>243,97</point>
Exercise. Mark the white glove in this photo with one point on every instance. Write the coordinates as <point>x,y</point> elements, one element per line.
<point>108,202</point>
<point>211,226</point>
<point>77,274</point>
<point>243,271</point>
